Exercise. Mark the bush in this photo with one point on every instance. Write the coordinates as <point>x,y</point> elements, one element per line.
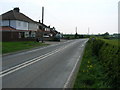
<point>91,73</point>
<point>96,45</point>
<point>108,55</point>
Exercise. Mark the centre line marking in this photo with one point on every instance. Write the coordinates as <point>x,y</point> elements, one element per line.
<point>27,63</point>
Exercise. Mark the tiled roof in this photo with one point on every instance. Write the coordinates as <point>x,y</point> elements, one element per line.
<point>14,15</point>
<point>39,23</point>
<point>7,28</point>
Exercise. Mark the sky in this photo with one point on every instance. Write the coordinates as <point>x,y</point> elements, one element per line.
<point>65,15</point>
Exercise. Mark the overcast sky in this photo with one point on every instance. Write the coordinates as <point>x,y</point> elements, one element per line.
<point>99,15</point>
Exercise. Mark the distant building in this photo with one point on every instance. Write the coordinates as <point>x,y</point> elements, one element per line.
<point>116,35</point>
<point>45,32</point>
<point>17,26</point>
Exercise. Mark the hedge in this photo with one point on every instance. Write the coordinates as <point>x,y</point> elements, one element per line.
<point>108,56</point>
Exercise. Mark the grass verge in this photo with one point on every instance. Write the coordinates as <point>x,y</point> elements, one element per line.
<point>8,47</point>
<point>90,74</point>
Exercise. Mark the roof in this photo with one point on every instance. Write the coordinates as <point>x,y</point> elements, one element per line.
<point>39,23</point>
<point>44,25</point>
<point>7,28</point>
<point>14,15</point>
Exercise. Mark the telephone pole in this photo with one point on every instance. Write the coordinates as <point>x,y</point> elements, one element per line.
<point>76,30</point>
<point>42,23</point>
<point>42,15</point>
<point>88,30</point>
<point>76,33</point>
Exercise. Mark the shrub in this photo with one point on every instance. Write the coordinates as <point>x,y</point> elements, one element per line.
<point>109,56</point>
<point>104,56</point>
<point>96,45</point>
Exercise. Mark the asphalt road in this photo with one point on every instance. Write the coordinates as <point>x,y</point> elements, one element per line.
<point>48,67</point>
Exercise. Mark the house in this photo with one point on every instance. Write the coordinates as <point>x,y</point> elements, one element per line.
<point>17,26</point>
<point>53,31</point>
<point>44,32</point>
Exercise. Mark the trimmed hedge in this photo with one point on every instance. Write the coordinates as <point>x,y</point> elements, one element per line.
<point>108,55</point>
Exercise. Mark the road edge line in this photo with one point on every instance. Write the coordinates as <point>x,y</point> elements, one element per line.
<point>71,79</point>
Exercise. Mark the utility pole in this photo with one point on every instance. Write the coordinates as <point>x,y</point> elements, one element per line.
<point>42,15</point>
<point>76,33</point>
<point>88,30</point>
<point>76,30</point>
<point>42,23</point>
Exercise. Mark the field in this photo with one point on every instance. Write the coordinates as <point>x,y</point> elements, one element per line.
<point>112,41</point>
<point>8,47</point>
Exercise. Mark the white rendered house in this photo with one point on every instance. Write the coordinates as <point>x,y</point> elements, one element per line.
<point>17,25</point>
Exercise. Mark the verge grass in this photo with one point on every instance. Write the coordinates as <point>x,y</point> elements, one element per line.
<point>90,73</point>
<point>8,47</point>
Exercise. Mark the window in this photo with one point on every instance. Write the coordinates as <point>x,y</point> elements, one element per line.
<point>19,23</point>
<point>26,34</point>
<point>33,34</point>
<point>0,22</point>
<point>19,35</point>
<point>40,27</point>
<point>47,29</point>
<point>25,24</point>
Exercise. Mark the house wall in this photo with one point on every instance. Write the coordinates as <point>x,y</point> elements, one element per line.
<point>4,22</point>
<point>9,36</point>
<point>13,23</point>
<point>19,25</point>
<point>0,22</point>
<point>14,36</point>
<point>33,26</point>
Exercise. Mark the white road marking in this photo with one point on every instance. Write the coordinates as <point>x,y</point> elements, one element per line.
<point>27,63</point>
<point>68,80</point>
<point>82,45</point>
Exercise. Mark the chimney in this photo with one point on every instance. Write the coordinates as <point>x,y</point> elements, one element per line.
<point>16,9</point>
<point>49,26</point>
<point>39,21</point>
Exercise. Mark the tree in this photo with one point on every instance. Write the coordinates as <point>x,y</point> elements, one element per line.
<point>76,35</point>
<point>106,35</point>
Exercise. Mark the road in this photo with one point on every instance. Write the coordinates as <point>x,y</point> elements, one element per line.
<point>48,67</point>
